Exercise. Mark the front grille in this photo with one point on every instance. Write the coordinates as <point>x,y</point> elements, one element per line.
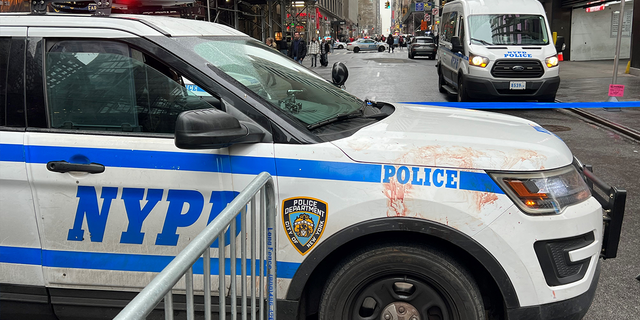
<point>557,267</point>
<point>510,69</point>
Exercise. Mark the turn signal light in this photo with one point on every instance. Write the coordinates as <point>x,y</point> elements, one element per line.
<point>478,61</point>
<point>551,61</point>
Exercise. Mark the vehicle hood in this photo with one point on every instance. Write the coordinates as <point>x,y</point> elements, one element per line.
<point>457,138</point>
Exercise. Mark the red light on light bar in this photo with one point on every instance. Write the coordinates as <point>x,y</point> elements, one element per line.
<point>596,8</point>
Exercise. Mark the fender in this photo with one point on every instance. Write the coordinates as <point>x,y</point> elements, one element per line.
<point>413,225</point>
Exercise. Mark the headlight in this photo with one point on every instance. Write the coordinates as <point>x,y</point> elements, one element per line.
<point>544,192</point>
<point>478,61</point>
<point>551,61</point>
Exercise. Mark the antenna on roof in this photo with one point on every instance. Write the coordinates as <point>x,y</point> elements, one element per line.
<point>102,8</point>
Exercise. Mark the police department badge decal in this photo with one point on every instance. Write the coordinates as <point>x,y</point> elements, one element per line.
<point>304,220</point>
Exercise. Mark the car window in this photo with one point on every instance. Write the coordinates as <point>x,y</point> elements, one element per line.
<point>424,40</point>
<point>280,81</point>
<point>105,85</point>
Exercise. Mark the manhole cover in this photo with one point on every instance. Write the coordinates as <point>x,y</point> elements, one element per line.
<point>555,128</point>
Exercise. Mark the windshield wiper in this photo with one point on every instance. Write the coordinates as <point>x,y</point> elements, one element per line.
<point>482,41</point>
<point>342,116</point>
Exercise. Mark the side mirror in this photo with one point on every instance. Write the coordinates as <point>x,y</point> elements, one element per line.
<point>213,129</point>
<point>339,74</point>
<point>456,46</point>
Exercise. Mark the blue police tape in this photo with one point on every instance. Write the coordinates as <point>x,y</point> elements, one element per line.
<point>530,105</point>
<point>120,261</point>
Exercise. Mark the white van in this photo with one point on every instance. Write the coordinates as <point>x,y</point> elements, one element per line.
<point>497,49</point>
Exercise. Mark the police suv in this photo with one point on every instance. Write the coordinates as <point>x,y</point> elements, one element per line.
<point>399,211</point>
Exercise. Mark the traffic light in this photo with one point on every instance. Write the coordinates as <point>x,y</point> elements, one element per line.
<point>387,5</point>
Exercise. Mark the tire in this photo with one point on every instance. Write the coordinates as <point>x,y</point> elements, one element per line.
<point>441,82</point>
<point>410,56</point>
<point>340,47</point>
<point>426,282</point>
<point>380,49</point>
<point>462,91</point>
<point>356,50</point>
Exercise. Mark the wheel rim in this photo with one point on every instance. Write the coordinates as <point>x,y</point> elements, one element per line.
<point>377,297</point>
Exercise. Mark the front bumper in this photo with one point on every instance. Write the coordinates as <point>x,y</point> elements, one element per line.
<point>486,88</point>
<point>570,309</point>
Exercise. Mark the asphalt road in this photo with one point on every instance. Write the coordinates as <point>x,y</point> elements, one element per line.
<point>393,77</point>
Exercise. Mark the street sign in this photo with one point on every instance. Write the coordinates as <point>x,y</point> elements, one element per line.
<point>434,11</point>
<point>419,6</point>
<point>427,17</point>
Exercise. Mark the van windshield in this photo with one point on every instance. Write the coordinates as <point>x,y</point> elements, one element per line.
<point>508,29</point>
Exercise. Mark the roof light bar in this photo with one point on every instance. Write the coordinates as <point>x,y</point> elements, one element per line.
<point>103,7</point>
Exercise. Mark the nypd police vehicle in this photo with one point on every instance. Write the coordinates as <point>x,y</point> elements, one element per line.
<point>497,49</point>
<point>399,211</point>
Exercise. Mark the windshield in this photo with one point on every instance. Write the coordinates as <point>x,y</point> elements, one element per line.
<point>508,29</point>
<point>278,79</point>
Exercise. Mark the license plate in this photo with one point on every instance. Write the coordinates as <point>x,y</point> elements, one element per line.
<point>517,85</point>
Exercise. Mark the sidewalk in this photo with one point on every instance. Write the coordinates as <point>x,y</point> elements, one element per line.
<point>588,81</point>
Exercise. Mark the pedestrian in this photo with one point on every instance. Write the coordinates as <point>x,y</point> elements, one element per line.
<point>271,43</point>
<point>314,50</point>
<point>390,42</point>
<point>283,47</point>
<point>400,42</point>
<point>298,48</point>
<point>324,51</point>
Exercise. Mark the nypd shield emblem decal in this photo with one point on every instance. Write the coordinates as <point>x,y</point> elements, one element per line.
<point>304,220</point>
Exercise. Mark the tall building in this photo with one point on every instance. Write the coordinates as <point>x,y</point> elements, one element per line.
<point>368,19</point>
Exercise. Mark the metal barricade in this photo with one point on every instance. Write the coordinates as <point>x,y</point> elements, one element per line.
<point>182,264</point>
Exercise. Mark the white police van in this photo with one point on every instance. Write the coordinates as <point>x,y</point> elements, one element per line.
<point>443,213</point>
<point>492,49</point>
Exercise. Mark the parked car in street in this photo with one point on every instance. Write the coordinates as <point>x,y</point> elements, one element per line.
<point>339,45</point>
<point>423,46</point>
<point>366,45</point>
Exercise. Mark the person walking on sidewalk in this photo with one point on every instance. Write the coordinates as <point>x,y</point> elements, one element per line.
<point>314,50</point>
<point>298,49</point>
<point>324,51</point>
<point>390,42</point>
<point>400,42</point>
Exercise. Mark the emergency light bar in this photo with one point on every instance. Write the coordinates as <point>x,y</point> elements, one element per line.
<point>103,8</point>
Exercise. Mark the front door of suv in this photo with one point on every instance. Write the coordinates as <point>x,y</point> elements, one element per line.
<point>115,198</point>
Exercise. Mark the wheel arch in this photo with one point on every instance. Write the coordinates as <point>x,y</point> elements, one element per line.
<point>308,282</point>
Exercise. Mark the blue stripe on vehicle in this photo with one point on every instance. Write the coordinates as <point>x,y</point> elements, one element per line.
<point>343,171</point>
<point>139,159</point>
<point>20,255</point>
<point>121,261</point>
<point>530,105</point>
<point>295,168</point>
<point>475,181</point>
<point>11,152</point>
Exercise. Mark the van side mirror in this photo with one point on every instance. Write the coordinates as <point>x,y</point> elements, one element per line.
<point>456,46</point>
<point>213,129</point>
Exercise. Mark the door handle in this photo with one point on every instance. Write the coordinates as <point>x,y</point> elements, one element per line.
<point>64,166</point>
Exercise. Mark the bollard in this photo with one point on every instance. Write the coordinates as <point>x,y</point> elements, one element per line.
<point>626,71</point>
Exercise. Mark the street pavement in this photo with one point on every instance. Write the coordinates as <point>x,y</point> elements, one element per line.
<point>393,77</point>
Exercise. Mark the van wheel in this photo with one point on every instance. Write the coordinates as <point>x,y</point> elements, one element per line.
<point>462,91</point>
<point>401,280</point>
<point>441,82</point>
<point>356,50</point>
